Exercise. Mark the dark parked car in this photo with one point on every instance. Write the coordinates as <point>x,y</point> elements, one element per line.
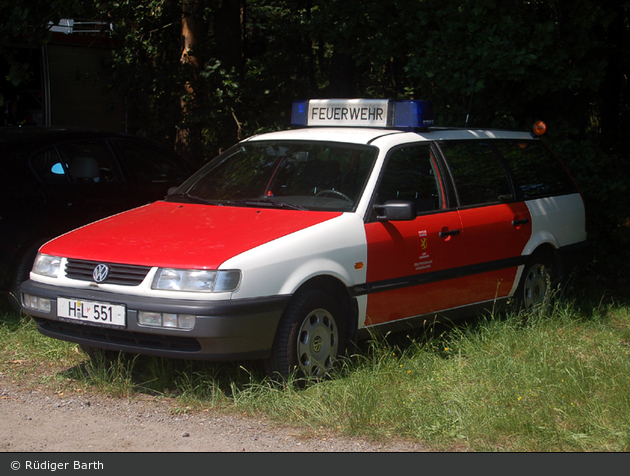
<point>54,180</point>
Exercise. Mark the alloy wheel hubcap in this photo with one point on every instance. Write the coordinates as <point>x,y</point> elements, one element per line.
<point>536,286</point>
<point>317,343</point>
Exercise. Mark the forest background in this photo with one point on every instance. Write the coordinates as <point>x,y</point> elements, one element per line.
<point>198,75</point>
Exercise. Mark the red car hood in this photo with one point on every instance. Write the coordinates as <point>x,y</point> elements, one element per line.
<point>180,235</point>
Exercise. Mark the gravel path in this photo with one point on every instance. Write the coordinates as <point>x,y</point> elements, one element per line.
<point>39,421</point>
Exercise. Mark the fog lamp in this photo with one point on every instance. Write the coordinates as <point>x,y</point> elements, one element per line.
<point>35,302</point>
<point>169,320</point>
<point>166,320</point>
<point>153,319</point>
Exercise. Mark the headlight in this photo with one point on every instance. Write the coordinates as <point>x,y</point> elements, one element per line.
<point>47,265</point>
<point>197,280</point>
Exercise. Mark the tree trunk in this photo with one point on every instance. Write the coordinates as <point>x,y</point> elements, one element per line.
<point>192,35</point>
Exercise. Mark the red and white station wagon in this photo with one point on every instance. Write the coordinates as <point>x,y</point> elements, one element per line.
<point>291,244</point>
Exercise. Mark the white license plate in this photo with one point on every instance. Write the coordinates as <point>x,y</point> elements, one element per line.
<point>93,312</point>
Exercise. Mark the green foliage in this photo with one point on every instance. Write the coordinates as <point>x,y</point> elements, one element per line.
<point>520,61</point>
<point>146,70</point>
<point>524,53</point>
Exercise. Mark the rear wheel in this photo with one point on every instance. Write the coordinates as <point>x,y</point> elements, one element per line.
<point>309,339</point>
<point>537,286</point>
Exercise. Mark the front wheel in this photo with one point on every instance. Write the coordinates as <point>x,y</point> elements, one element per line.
<point>309,338</point>
<point>22,273</point>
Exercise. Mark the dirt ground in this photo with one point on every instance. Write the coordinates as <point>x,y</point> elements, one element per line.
<point>43,421</point>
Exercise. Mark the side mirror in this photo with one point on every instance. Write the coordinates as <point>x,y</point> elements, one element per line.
<point>396,210</point>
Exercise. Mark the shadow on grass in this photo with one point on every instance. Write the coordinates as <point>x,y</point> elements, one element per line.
<point>134,373</point>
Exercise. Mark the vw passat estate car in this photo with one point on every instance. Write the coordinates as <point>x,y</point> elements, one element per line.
<point>291,244</point>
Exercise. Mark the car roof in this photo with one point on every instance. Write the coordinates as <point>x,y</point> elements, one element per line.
<point>33,137</point>
<point>353,135</point>
<point>364,135</point>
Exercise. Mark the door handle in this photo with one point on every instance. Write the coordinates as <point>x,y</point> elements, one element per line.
<point>523,221</point>
<point>449,233</point>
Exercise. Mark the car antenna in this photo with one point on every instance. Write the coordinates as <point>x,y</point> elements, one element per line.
<point>472,95</point>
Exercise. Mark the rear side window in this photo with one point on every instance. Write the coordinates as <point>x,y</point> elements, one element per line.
<point>536,172</point>
<point>479,175</point>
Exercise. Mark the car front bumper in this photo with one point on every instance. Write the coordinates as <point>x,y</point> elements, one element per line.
<point>224,330</point>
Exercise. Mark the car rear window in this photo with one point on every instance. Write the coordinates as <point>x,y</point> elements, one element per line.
<point>535,169</point>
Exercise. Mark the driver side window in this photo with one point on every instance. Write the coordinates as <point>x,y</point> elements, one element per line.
<point>410,175</point>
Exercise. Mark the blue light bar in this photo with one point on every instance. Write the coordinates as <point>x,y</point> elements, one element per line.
<point>299,113</point>
<point>383,113</point>
<point>413,114</point>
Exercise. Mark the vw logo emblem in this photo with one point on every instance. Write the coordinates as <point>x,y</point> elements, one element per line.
<point>100,273</point>
<point>318,343</point>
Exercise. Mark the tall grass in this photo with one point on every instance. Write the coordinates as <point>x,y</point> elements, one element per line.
<point>555,380</point>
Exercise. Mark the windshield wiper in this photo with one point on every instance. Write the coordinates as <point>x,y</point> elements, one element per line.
<point>268,202</point>
<point>193,199</point>
<point>247,202</point>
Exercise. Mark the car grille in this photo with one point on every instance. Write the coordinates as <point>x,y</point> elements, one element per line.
<point>127,275</point>
<point>119,337</point>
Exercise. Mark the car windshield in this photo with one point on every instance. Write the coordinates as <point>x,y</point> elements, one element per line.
<point>299,175</point>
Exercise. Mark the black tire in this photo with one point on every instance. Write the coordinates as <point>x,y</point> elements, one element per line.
<point>310,337</point>
<point>21,274</point>
<point>538,285</point>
